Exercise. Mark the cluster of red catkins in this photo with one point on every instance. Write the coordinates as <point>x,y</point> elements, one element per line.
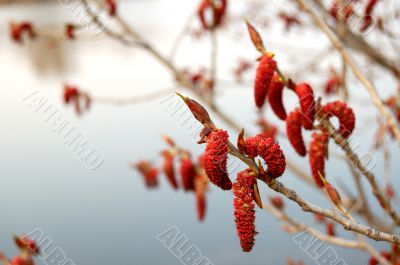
<point>217,9</point>
<point>214,162</point>
<point>192,175</point>
<point>348,11</point>
<point>269,86</point>
<point>80,100</point>
<point>28,249</point>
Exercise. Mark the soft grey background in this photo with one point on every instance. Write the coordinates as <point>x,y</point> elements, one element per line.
<point>106,216</point>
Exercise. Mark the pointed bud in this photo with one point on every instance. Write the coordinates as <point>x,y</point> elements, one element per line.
<point>198,111</point>
<point>241,144</point>
<point>256,38</point>
<point>256,195</point>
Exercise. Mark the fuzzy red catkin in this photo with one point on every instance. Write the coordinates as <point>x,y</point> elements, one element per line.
<point>317,153</point>
<point>307,104</point>
<point>244,208</point>
<point>215,158</point>
<point>270,152</point>
<point>384,254</point>
<point>70,31</point>
<point>187,173</point>
<point>169,170</point>
<point>275,97</point>
<point>200,205</point>
<point>264,73</point>
<point>293,131</point>
<point>345,115</point>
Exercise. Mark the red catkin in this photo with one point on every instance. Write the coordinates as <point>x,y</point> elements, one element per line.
<point>293,131</point>
<point>219,11</point>
<point>17,29</point>
<point>264,73</point>
<point>244,208</point>
<point>200,205</point>
<point>215,158</point>
<point>384,254</point>
<point>307,104</point>
<point>317,153</point>
<point>277,202</point>
<point>330,229</point>
<point>275,97</point>
<point>70,31</point>
<point>270,152</point>
<point>187,173</point>
<point>169,170</point>
<point>27,244</point>
<point>19,260</point>
<point>201,184</point>
<point>149,173</point>
<point>345,115</point>
<point>112,7</point>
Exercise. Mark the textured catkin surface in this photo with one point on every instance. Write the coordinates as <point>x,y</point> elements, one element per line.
<point>317,152</point>
<point>244,209</point>
<point>215,158</point>
<point>270,152</point>
<point>293,131</point>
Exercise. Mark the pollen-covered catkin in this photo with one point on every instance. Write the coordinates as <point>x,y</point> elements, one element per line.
<point>293,131</point>
<point>275,97</point>
<point>307,104</point>
<point>244,208</point>
<point>270,152</point>
<point>317,152</point>
<point>264,73</point>
<point>344,113</point>
<point>215,158</point>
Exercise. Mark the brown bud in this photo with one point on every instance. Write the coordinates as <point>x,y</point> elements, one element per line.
<point>333,194</point>
<point>241,143</point>
<point>256,38</point>
<point>256,195</point>
<point>198,111</point>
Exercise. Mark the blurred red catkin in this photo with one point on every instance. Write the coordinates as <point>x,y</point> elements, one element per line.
<point>169,170</point>
<point>293,131</point>
<point>317,152</point>
<point>187,173</point>
<point>201,184</point>
<point>27,244</point>
<point>277,202</point>
<point>264,73</point>
<point>215,158</point>
<point>330,229</point>
<point>19,260</point>
<point>319,218</point>
<point>18,29</point>
<point>70,93</point>
<point>384,254</point>
<point>332,85</point>
<point>200,205</point>
<point>307,104</point>
<point>275,97</point>
<point>112,7</point>
<point>244,208</point>
<point>367,18</point>
<point>218,13</point>
<point>345,114</point>
<point>268,129</point>
<point>149,173</point>
<point>270,152</point>
<point>70,31</point>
